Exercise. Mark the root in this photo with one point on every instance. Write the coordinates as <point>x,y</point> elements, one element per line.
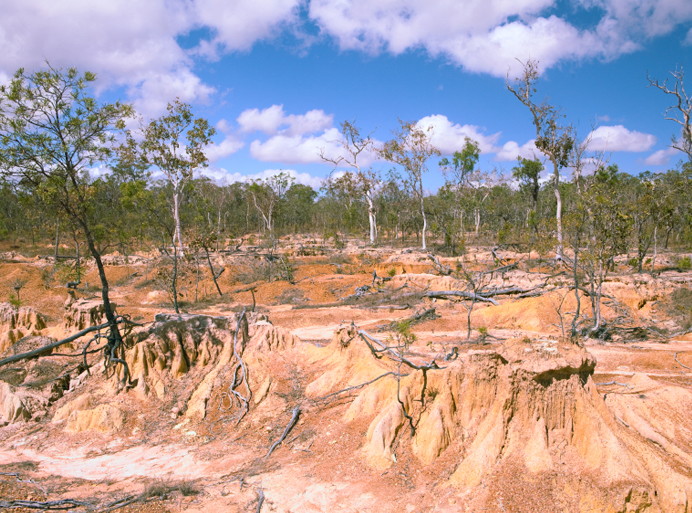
<point>291,424</point>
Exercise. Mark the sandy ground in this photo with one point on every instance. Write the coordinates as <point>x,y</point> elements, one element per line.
<point>320,467</point>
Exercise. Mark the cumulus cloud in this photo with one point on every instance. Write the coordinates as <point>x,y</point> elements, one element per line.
<point>297,149</point>
<point>661,157</point>
<point>619,138</point>
<point>487,35</point>
<point>237,25</point>
<point>449,137</point>
<point>270,120</point>
<point>228,146</point>
<point>222,175</point>
<point>511,150</point>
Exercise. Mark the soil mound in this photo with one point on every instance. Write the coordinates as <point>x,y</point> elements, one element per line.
<point>527,411</point>
<point>16,323</point>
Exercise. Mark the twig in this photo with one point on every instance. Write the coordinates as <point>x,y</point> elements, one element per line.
<point>291,423</point>
<point>682,364</point>
<point>357,387</point>
<point>612,383</point>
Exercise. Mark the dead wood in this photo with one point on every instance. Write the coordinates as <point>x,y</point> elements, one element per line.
<point>441,268</point>
<point>233,394</point>
<point>357,387</point>
<point>392,354</point>
<point>60,505</point>
<point>424,315</point>
<point>612,383</point>
<point>260,500</point>
<point>291,424</point>
<point>681,364</point>
<point>43,351</point>
<point>444,294</point>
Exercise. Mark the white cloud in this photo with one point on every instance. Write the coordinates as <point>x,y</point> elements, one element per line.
<point>227,147</point>
<point>449,137</point>
<point>488,35</point>
<point>660,157</point>
<point>237,25</point>
<point>688,39</point>
<point>511,150</point>
<point>297,149</point>
<point>221,175</point>
<point>618,138</point>
<point>270,120</point>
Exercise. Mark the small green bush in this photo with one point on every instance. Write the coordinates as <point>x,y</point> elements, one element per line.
<point>685,264</point>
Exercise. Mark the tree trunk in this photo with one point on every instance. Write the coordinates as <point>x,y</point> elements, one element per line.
<point>57,239</point>
<point>425,219</point>
<point>653,260</point>
<point>558,215</point>
<point>371,219</point>
<point>176,215</point>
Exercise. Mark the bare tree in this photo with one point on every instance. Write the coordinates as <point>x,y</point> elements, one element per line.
<point>411,148</point>
<point>354,145</point>
<point>555,140</point>
<point>680,111</point>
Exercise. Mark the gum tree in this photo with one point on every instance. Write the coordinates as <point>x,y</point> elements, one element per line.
<point>367,182</point>
<point>52,133</point>
<point>555,140</point>
<point>175,145</point>
<point>411,149</point>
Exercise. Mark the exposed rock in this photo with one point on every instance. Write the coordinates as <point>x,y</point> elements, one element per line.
<point>12,408</point>
<point>16,323</point>
<point>105,418</point>
<point>83,402</point>
<point>82,313</point>
<point>199,347</point>
<point>530,405</point>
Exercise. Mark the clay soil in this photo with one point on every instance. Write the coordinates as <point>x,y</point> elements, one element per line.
<point>160,460</point>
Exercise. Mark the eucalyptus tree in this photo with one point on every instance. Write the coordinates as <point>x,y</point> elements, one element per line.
<point>52,133</point>
<point>553,139</point>
<point>411,148</point>
<point>528,172</point>
<point>367,181</point>
<point>458,172</point>
<point>680,112</point>
<point>174,144</point>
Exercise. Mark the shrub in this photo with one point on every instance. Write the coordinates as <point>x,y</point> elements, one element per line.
<point>685,264</point>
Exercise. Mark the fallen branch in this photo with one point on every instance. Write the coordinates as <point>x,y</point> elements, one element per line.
<point>358,387</point>
<point>291,423</point>
<point>612,383</point>
<point>393,354</point>
<point>41,351</point>
<point>682,364</point>
<point>260,500</point>
<point>414,319</point>
<point>443,269</point>
<point>65,504</point>
<point>444,294</point>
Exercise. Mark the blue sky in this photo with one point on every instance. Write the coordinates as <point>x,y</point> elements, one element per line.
<point>278,76</point>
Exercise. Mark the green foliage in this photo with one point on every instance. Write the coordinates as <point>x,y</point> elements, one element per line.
<point>684,263</point>
<point>14,300</point>
<point>391,272</point>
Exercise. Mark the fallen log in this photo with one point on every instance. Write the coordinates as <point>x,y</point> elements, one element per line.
<point>444,294</point>
<point>49,347</point>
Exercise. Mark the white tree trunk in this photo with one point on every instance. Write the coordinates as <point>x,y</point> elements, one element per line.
<point>372,219</point>
<point>176,215</point>
<point>558,215</point>
<point>425,220</point>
